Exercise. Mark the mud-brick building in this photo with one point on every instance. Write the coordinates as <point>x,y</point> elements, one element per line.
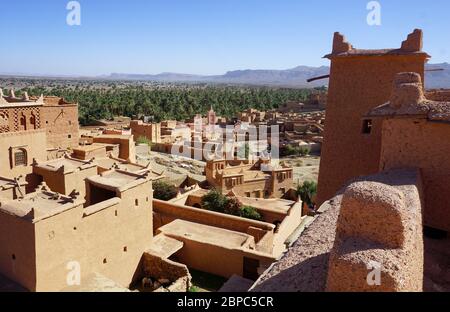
<point>359,81</point>
<point>248,178</point>
<point>31,127</point>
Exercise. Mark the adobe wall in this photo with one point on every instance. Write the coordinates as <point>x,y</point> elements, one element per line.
<point>61,125</point>
<point>89,152</point>
<point>17,250</point>
<point>127,149</point>
<point>159,268</point>
<point>65,183</point>
<point>165,213</point>
<point>20,117</point>
<point>211,259</point>
<point>426,145</point>
<point>357,84</point>
<point>33,141</point>
<point>97,237</point>
<point>218,260</point>
<point>379,227</point>
<point>288,225</point>
<point>150,131</point>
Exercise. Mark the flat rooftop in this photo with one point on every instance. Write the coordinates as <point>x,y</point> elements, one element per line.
<point>111,162</point>
<point>275,204</point>
<point>38,205</point>
<point>90,148</point>
<point>164,247</point>
<point>6,183</point>
<point>69,164</point>
<point>204,234</point>
<point>118,179</point>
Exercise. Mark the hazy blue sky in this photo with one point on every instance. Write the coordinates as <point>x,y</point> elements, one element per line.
<point>203,36</point>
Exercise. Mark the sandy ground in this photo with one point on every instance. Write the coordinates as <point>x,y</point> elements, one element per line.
<point>305,168</point>
<point>176,168</point>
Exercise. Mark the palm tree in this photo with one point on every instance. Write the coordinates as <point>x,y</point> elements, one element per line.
<point>307,191</point>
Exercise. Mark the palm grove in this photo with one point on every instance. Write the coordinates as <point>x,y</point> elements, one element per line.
<point>104,100</point>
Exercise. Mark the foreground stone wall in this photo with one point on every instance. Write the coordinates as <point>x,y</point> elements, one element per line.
<point>379,228</point>
<point>377,219</point>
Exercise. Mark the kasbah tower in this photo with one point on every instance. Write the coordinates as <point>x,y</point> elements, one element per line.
<point>360,80</point>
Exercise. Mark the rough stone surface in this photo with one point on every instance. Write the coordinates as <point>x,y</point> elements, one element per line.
<point>304,267</point>
<point>379,224</point>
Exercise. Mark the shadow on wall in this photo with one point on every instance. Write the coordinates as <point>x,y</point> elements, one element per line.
<point>312,272</point>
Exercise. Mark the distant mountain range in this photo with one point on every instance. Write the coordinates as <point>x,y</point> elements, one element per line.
<point>295,77</point>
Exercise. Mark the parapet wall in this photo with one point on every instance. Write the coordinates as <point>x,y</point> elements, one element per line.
<point>379,242</point>
<point>377,220</point>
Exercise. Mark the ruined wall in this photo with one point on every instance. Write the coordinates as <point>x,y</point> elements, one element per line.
<point>426,145</point>
<point>159,268</point>
<point>379,228</point>
<point>359,81</point>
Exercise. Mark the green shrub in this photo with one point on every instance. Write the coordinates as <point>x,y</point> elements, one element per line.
<point>250,213</point>
<point>290,150</point>
<point>143,140</point>
<point>164,191</point>
<point>215,201</point>
<point>307,191</point>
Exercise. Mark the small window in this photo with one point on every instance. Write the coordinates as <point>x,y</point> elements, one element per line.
<point>136,202</point>
<point>115,213</point>
<point>367,126</point>
<point>69,136</point>
<point>20,157</point>
<point>105,261</point>
<point>125,249</point>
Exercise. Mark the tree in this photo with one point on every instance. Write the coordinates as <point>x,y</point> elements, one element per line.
<point>307,191</point>
<point>215,201</point>
<point>250,213</point>
<point>143,140</point>
<point>164,191</point>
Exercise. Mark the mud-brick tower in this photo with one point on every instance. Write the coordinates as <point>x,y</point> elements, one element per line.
<point>360,80</point>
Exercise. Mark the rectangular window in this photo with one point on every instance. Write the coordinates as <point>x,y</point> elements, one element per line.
<point>367,126</point>
<point>20,158</point>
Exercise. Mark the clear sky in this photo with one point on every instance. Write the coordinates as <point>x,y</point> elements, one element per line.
<point>204,36</point>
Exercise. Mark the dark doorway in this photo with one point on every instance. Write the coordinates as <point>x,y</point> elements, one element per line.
<point>98,195</point>
<point>251,269</point>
